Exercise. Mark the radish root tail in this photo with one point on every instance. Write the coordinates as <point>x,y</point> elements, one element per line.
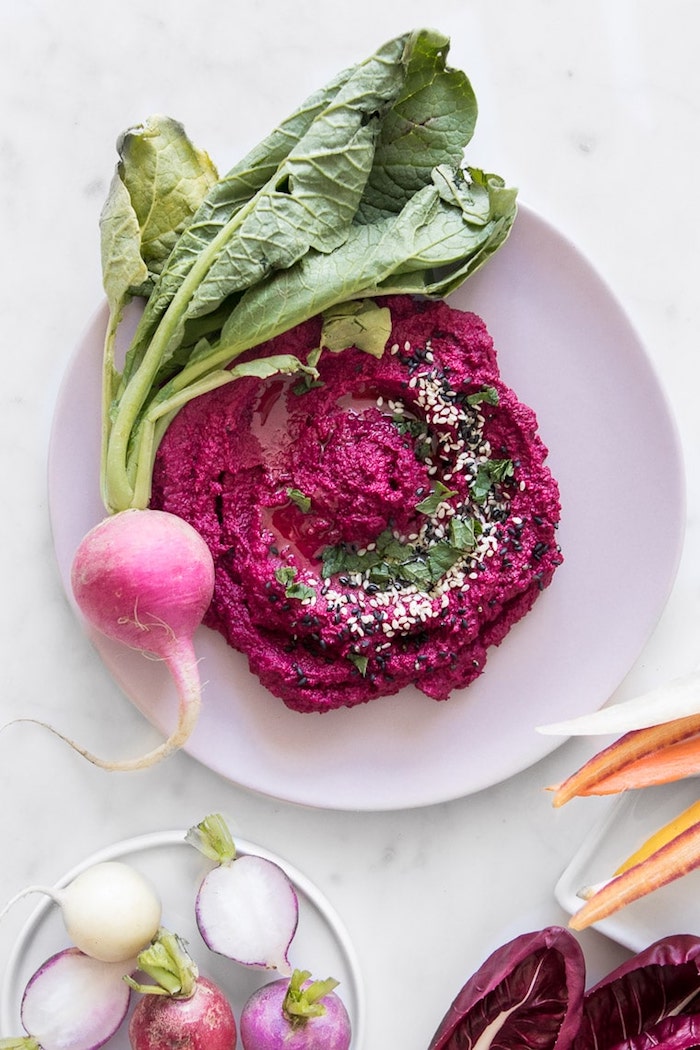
<point>184,670</point>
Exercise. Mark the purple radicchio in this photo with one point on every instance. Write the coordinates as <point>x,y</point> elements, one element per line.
<point>528,993</point>
<point>649,1001</point>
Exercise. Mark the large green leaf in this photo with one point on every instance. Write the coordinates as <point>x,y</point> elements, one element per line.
<point>312,198</point>
<point>159,183</point>
<point>431,123</point>
<point>441,235</point>
<point>238,187</point>
<point>359,193</point>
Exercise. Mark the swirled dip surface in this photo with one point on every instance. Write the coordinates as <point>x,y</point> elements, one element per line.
<point>385,527</point>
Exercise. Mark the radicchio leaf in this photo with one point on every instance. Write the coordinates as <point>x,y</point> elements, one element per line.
<point>673,1033</point>
<point>651,1000</point>
<point>528,993</point>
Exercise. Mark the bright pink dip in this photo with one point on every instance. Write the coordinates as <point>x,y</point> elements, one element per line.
<point>280,483</point>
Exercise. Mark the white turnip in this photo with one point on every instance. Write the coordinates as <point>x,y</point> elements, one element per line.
<point>110,910</point>
<point>146,578</point>
<point>298,1014</point>
<point>181,1009</point>
<point>73,1001</point>
<point>246,908</point>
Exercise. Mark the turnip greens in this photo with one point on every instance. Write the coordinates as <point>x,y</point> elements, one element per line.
<point>362,191</point>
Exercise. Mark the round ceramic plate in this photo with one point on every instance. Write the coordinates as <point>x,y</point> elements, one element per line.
<point>569,351</point>
<point>176,868</point>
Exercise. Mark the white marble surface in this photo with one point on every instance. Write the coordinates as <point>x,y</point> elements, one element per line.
<point>591,108</point>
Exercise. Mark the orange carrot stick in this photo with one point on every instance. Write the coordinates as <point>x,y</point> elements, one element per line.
<point>628,749</point>
<point>674,762</point>
<point>676,858</point>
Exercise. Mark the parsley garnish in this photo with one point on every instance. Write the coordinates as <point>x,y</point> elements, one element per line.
<point>360,662</point>
<point>488,474</point>
<point>392,561</point>
<point>301,499</point>
<point>439,494</point>
<point>286,575</point>
<point>489,394</point>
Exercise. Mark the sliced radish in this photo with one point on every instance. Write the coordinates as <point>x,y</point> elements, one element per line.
<point>246,908</point>
<point>74,1001</point>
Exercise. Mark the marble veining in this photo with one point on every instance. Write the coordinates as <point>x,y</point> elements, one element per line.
<point>591,109</point>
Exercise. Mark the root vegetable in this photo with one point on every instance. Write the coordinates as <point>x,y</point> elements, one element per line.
<point>181,1009</point>
<point>110,911</point>
<point>246,908</point>
<point>615,767</point>
<point>295,1014</point>
<point>145,578</point>
<point>72,1001</point>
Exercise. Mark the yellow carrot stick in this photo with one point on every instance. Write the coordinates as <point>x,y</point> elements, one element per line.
<point>670,862</point>
<point>628,749</point>
<point>669,831</point>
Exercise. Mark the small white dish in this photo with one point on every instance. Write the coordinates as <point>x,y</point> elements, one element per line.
<point>321,943</point>
<point>629,821</point>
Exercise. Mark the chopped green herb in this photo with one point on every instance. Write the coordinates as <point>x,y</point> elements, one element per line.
<point>309,381</point>
<point>301,499</point>
<point>395,562</point>
<point>464,532</point>
<point>286,575</point>
<point>333,560</point>
<point>389,546</point>
<point>441,557</point>
<point>488,474</point>
<point>439,494</point>
<point>418,429</point>
<point>489,394</point>
<point>360,662</point>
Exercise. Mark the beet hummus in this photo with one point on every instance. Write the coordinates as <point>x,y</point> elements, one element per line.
<point>380,527</point>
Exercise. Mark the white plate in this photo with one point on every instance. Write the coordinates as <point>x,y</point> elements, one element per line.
<point>321,943</point>
<point>629,821</point>
<point>569,351</point>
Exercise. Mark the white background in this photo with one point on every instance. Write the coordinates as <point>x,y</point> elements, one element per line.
<point>591,109</point>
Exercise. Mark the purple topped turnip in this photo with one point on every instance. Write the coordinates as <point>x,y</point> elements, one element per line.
<point>181,1009</point>
<point>246,908</point>
<point>296,1014</point>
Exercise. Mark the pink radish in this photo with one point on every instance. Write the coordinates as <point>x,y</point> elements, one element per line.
<point>181,1009</point>
<point>73,1001</point>
<point>146,578</point>
<point>297,1014</point>
<point>110,910</point>
<point>246,908</point>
